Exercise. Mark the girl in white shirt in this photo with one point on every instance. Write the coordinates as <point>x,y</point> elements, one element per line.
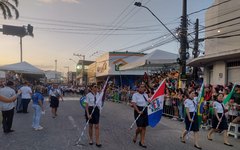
<point>139,101</point>
<point>219,121</point>
<point>93,115</point>
<point>190,105</point>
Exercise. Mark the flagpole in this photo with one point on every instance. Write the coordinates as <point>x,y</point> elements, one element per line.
<point>146,106</point>
<point>80,138</point>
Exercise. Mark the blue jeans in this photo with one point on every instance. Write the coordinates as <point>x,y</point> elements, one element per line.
<point>180,109</point>
<point>36,116</point>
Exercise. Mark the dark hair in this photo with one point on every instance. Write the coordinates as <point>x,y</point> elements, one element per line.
<point>9,83</point>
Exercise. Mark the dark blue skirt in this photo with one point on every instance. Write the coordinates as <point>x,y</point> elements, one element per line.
<point>142,121</point>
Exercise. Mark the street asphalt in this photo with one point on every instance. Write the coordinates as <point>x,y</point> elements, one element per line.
<point>62,132</point>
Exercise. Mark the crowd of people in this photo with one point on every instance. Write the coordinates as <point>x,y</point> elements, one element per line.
<point>179,104</point>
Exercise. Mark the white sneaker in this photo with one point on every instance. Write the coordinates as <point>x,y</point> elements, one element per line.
<point>39,128</point>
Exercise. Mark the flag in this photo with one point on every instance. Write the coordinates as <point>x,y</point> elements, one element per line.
<point>155,108</point>
<point>100,100</point>
<point>200,104</point>
<point>227,99</point>
<point>83,102</point>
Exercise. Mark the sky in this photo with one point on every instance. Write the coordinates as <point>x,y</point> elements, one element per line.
<point>91,28</point>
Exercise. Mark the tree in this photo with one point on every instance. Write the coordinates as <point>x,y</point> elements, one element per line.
<point>8,7</point>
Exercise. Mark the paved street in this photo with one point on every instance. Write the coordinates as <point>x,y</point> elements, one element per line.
<point>62,132</point>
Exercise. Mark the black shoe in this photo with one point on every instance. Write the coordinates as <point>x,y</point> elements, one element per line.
<point>144,146</point>
<point>183,141</point>
<point>134,141</point>
<point>90,143</point>
<point>197,147</point>
<point>11,130</point>
<point>228,144</point>
<point>209,138</point>
<point>20,111</point>
<point>99,145</point>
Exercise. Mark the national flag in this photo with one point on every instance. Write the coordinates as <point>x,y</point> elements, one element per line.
<point>227,99</point>
<point>100,100</point>
<point>200,106</point>
<point>83,102</point>
<point>155,108</point>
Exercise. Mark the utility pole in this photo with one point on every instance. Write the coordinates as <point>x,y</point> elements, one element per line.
<point>183,44</point>
<point>55,69</point>
<point>83,59</point>
<point>195,49</point>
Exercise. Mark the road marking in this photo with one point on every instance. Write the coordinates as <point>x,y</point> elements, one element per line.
<point>72,121</point>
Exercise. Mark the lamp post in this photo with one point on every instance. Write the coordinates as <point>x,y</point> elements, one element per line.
<point>67,74</point>
<point>139,4</point>
<point>183,38</point>
<point>83,59</point>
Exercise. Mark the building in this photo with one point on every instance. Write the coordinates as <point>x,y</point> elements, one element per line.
<point>82,72</point>
<point>221,61</point>
<point>108,65</point>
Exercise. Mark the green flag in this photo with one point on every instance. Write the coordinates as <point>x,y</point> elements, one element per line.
<point>227,99</point>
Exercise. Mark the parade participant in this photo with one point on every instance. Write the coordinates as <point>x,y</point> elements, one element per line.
<point>54,96</point>
<point>26,96</point>
<point>139,101</point>
<point>191,120</point>
<point>219,121</point>
<point>37,106</point>
<point>7,108</point>
<point>92,114</point>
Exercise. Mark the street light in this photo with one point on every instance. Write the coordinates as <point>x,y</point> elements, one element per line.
<point>139,4</point>
<point>182,40</point>
<point>73,60</point>
<point>67,73</point>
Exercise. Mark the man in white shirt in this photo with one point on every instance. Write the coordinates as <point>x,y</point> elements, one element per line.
<point>7,108</point>
<point>26,96</point>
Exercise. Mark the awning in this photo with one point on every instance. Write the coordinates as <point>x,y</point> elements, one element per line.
<point>22,67</point>
<point>210,58</point>
<point>156,58</point>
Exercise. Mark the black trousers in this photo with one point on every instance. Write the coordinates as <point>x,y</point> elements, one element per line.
<point>25,103</point>
<point>7,119</point>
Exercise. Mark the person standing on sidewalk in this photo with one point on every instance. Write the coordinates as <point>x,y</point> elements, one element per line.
<point>26,96</point>
<point>139,101</point>
<point>37,106</point>
<point>7,108</point>
<point>54,96</point>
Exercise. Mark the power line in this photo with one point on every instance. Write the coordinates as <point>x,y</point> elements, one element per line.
<point>209,7</point>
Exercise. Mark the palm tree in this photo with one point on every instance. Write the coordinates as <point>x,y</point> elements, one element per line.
<point>6,8</point>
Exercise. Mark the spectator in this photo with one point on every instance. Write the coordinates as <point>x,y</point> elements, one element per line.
<point>8,108</point>
<point>26,96</point>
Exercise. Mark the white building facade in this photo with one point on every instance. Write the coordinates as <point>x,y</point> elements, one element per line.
<point>221,61</point>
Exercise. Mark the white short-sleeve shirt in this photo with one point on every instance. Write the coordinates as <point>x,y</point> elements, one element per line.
<point>191,105</point>
<point>90,98</point>
<point>139,99</point>
<point>26,92</point>
<point>218,107</point>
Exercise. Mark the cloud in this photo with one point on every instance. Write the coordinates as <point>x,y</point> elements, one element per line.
<point>64,1</point>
